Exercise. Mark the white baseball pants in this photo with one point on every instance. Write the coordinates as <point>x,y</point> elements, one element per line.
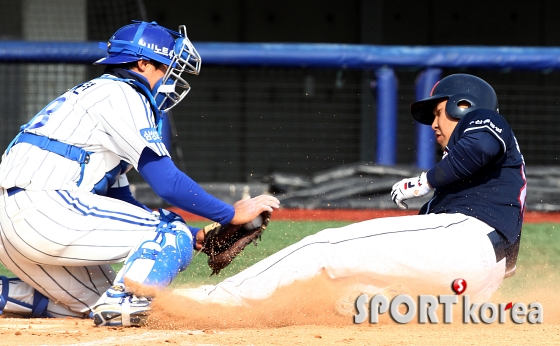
<point>425,253</point>
<point>62,244</point>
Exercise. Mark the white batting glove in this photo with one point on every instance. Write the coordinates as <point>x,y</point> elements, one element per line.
<point>410,188</point>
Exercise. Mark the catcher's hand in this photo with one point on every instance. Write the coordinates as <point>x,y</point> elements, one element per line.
<point>410,188</point>
<point>223,243</point>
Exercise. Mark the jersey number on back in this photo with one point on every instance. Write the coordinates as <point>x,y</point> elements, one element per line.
<point>42,117</point>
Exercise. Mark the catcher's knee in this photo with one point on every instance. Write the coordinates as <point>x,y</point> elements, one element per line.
<point>30,302</point>
<point>156,262</point>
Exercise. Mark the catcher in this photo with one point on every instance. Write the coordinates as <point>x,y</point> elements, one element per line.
<point>66,209</point>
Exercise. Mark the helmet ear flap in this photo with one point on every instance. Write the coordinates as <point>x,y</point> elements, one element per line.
<point>456,105</point>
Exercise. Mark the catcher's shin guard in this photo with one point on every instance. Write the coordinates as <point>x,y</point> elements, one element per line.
<point>156,262</point>
<point>30,302</point>
<point>119,308</point>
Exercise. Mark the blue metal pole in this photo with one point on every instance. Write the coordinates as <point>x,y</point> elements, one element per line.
<point>425,151</point>
<point>386,116</point>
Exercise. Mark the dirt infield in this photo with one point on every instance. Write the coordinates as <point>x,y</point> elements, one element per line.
<point>302,314</point>
<point>292,317</point>
<point>64,332</point>
<point>68,332</point>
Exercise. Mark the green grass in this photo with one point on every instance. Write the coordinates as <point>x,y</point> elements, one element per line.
<point>278,235</point>
<point>537,264</point>
<point>539,259</point>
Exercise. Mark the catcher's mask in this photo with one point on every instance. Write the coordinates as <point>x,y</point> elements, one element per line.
<point>150,41</point>
<point>456,89</point>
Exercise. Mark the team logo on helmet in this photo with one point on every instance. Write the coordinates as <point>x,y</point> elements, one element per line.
<point>140,41</point>
<point>150,41</point>
<point>158,50</point>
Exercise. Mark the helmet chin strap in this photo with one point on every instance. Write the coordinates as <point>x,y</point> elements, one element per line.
<point>162,102</point>
<point>160,92</point>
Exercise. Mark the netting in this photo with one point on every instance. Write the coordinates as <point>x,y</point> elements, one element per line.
<point>242,123</point>
<point>239,124</point>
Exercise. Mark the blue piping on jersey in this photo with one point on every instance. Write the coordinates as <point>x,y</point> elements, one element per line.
<point>92,211</point>
<point>491,131</point>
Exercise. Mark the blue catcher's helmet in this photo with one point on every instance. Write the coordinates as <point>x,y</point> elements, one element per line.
<point>150,41</point>
<point>456,88</point>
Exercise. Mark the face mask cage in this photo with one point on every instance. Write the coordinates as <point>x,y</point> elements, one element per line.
<point>173,87</point>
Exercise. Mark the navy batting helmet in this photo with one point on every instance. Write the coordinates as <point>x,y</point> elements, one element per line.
<point>456,88</point>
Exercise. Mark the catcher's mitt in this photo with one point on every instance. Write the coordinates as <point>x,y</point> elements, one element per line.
<point>223,243</point>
